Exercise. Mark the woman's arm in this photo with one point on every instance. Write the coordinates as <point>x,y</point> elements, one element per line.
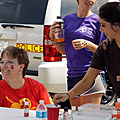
<point>80,87</point>
<point>81,43</point>
<point>85,83</point>
<point>60,47</point>
<point>91,46</point>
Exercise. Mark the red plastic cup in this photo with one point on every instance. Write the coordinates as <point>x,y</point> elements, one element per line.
<point>52,112</point>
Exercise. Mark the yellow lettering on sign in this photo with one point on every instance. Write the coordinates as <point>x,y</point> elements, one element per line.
<point>30,47</point>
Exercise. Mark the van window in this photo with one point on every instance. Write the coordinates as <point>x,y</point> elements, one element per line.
<point>72,6</point>
<point>23,11</point>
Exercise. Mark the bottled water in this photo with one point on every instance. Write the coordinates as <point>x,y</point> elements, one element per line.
<point>65,114</point>
<point>41,111</point>
<point>72,111</point>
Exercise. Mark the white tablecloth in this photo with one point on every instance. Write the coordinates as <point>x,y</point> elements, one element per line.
<point>16,114</point>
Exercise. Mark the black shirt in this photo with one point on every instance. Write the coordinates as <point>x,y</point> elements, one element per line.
<point>108,56</point>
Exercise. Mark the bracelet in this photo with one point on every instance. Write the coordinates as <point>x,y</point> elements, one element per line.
<point>68,95</point>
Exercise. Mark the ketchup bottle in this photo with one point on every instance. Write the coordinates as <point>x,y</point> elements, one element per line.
<point>117,108</point>
<point>26,109</point>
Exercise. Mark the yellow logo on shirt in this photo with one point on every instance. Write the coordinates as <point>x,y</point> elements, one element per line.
<point>51,102</point>
<point>20,105</point>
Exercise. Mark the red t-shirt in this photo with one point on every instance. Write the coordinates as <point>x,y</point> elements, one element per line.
<point>32,91</point>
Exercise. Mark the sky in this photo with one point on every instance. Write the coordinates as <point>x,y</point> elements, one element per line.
<point>70,6</point>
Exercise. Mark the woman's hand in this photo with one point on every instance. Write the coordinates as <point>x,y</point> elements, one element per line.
<point>60,97</point>
<point>79,43</point>
<point>53,29</point>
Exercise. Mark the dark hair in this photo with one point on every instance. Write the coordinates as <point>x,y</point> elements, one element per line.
<point>110,12</point>
<point>77,1</point>
<point>19,54</point>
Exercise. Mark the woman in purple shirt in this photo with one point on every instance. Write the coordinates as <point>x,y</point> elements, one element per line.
<point>82,37</point>
<point>107,55</point>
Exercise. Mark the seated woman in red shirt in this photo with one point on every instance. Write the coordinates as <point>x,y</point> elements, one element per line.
<point>15,86</point>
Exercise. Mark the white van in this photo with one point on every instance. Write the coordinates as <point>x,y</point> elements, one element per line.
<point>26,24</point>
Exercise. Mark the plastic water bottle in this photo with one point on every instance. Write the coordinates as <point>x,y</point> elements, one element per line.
<point>41,111</point>
<point>72,111</point>
<point>65,114</point>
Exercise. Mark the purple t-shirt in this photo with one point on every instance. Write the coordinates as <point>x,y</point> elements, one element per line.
<point>78,61</point>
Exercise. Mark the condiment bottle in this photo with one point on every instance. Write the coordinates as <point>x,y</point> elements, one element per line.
<point>114,115</point>
<point>26,109</point>
<point>72,111</point>
<point>65,114</point>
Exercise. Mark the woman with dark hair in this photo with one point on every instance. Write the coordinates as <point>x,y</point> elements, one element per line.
<point>107,55</point>
<point>15,86</point>
<point>82,37</point>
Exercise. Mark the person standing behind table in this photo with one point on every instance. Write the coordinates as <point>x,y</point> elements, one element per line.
<point>15,86</point>
<point>106,56</point>
<point>82,37</point>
